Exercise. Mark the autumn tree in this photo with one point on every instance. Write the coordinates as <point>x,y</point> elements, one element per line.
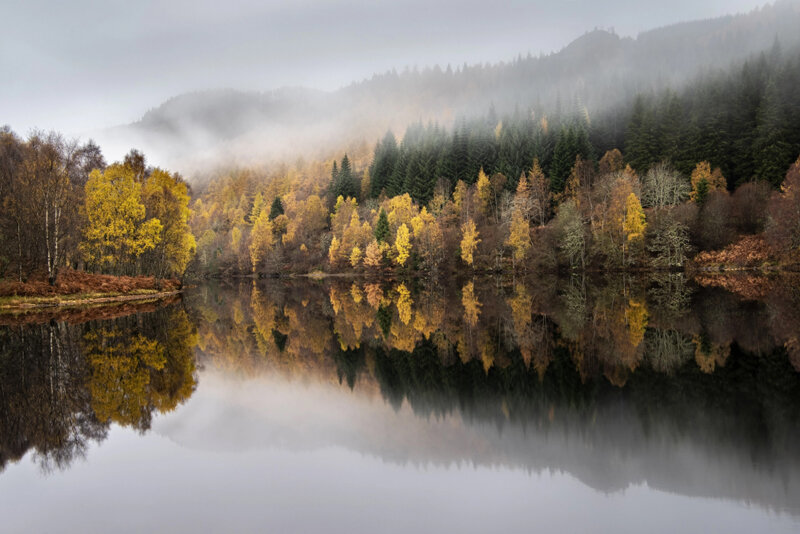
<point>539,194</point>
<point>166,199</point>
<point>608,218</point>
<point>783,229</point>
<point>705,181</point>
<point>402,244</point>
<point>519,238</point>
<point>469,241</point>
<point>355,256</point>
<point>374,254</point>
<point>428,238</point>
<point>611,162</point>
<point>117,232</point>
<point>633,227</point>
<point>262,240</point>
<point>571,232</point>
<point>484,191</point>
<point>41,191</point>
<point>472,306</point>
<point>258,207</point>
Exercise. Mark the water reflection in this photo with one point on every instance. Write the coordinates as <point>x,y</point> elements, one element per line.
<point>62,385</point>
<point>689,388</point>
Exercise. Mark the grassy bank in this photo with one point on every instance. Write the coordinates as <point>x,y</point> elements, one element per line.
<point>78,288</point>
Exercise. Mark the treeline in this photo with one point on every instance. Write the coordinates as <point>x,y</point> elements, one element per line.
<point>648,185</point>
<point>645,186</point>
<point>607,217</point>
<point>62,206</point>
<point>746,122</point>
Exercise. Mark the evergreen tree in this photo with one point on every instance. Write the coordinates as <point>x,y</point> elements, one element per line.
<point>276,209</point>
<point>563,160</point>
<point>701,192</point>
<point>383,164</point>
<point>343,182</point>
<point>382,227</point>
<point>773,153</point>
<point>396,182</point>
<point>640,146</point>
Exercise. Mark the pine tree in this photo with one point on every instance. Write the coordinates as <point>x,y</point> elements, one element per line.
<point>276,209</point>
<point>639,142</point>
<point>382,227</point>
<point>773,152</point>
<point>345,183</point>
<point>383,164</point>
<point>563,160</point>
<point>396,182</point>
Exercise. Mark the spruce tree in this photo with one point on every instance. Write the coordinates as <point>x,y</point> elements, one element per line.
<point>343,182</point>
<point>276,209</point>
<point>383,164</point>
<point>382,227</point>
<point>563,159</point>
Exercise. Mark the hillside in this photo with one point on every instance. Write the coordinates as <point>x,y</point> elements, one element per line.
<point>599,71</point>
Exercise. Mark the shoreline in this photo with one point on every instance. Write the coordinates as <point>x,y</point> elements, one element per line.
<point>35,303</point>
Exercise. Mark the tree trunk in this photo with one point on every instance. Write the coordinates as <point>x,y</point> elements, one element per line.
<point>19,248</point>
<point>50,278</point>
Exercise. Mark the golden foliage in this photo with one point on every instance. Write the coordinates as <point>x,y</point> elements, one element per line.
<point>634,225</point>
<point>402,244</point>
<point>472,306</point>
<point>469,241</point>
<point>333,250</point>
<point>484,190</point>
<point>636,317</point>
<point>519,237</point>
<point>355,256</point>
<point>117,232</point>
<point>261,239</point>
<point>404,303</point>
<point>374,254</point>
<point>713,179</point>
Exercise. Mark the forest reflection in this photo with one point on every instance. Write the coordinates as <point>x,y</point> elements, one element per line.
<point>609,328</point>
<point>62,385</point>
<point>693,388</point>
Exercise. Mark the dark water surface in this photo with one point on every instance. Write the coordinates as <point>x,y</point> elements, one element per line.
<point>630,405</point>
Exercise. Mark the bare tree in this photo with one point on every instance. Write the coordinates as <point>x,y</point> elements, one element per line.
<point>663,186</point>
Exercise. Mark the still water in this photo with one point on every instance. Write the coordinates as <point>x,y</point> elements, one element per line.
<point>629,405</point>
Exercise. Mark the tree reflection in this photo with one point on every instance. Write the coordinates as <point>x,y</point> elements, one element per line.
<point>530,353</point>
<point>62,385</point>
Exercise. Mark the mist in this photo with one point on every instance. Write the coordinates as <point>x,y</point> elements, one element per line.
<point>87,66</point>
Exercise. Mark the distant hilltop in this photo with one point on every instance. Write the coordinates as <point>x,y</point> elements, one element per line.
<point>597,71</point>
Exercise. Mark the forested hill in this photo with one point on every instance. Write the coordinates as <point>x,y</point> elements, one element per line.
<point>598,71</point>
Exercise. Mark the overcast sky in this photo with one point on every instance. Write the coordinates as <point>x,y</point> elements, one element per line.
<point>82,65</point>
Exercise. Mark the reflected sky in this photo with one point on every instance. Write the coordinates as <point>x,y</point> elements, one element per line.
<point>311,458</point>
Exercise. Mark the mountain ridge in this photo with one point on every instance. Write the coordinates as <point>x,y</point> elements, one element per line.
<point>597,71</point>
